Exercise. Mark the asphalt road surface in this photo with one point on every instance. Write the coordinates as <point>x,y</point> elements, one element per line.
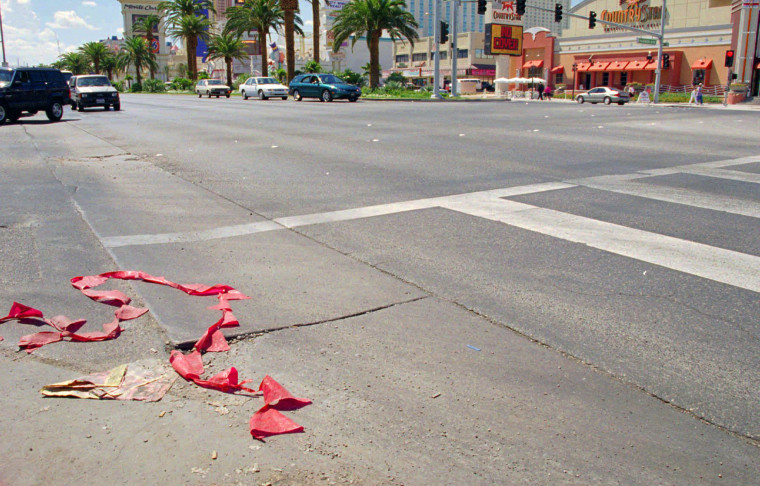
<point>470,293</point>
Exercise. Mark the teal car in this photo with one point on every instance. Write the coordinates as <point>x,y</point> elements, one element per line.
<point>326,87</point>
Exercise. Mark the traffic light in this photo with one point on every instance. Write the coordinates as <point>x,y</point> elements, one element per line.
<point>649,56</point>
<point>665,61</point>
<point>591,20</point>
<point>481,7</point>
<point>558,12</point>
<point>444,32</point>
<point>520,7</point>
<point>729,58</point>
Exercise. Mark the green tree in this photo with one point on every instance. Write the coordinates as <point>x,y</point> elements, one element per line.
<point>76,62</point>
<point>136,53</point>
<point>110,63</point>
<point>369,18</point>
<point>312,66</point>
<point>260,15</point>
<point>94,52</point>
<point>228,46</point>
<point>147,25</point>
<point>281,74</point>
<point>184,21</point>
<point>291,26</point>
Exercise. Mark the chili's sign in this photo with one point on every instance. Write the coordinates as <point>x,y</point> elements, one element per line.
<point>635,13</point>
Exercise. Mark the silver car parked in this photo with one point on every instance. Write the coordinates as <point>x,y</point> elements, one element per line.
<point>264,88</point>
<point>604,95</point>
<point>212,87</point>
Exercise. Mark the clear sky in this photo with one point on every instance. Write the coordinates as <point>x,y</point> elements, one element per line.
<point>37,31</point>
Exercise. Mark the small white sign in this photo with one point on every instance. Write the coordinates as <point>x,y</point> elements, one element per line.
<point>644,97</point>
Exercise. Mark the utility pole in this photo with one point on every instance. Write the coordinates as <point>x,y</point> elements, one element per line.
<point>436,40</point>
<point>659,55</point>
<point>454,49</point>
<point>2,38</point>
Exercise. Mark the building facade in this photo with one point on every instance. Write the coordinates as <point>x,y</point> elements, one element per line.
<point>134,10</point>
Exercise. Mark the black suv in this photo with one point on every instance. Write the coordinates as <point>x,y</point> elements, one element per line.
<point>30,90</point>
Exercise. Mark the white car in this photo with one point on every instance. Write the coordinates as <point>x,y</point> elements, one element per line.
<point>264,88</point>
<point>93,90</point>
<point>212,87</point>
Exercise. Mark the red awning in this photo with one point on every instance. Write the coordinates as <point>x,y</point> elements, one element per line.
<point>617,66</point>
<point>702,64</point>
<point>530,64</point>
<point>558,70</point>
<point>583,66</point>
<point>599,66</point>
<point>636,65</point>
<point>652,66</point>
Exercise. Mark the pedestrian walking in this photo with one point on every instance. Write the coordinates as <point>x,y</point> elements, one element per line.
<point>699,94</point>
<point>548,93</point>
<point>631,91</point>
<point>540,90</point>
<point>693,96</point>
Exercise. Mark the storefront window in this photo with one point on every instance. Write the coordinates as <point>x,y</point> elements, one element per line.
<point>605,79</point>
<point>698,76</point>
<point>444,55</point>
<point>422,56</point>
<point>559,78</point>
<point>624,78</point>
<point>463,53</point>
<point>402,58</point>
<point>535,72</point>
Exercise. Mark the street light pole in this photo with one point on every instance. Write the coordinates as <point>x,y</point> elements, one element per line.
<point>2,37</point>
<point>659,55</point>
<point>454,50</point>
<point>436,39</point>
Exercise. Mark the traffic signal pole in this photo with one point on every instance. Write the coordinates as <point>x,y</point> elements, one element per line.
<point>658,74</point>
<point>437,40</point>
<point>454,50</point>
<point>2,39</point>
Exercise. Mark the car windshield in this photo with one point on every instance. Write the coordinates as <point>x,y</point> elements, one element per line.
<point>266,81</point>
<point>98,81</point>
<point>6,75</point>
<point>214,82</point>
<point>330,79</point>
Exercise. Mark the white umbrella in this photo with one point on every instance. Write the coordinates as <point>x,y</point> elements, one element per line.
<point>536,81</point>
<point>502,80</point>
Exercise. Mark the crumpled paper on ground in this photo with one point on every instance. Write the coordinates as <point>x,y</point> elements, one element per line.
<point>145,380</point>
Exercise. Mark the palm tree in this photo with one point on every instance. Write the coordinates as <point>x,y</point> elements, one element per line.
<point>228,46</point>
<point>183,19</point>
<point>312,66</point>
<point>147,25</point>
<point>76,62</point>
<point>260,15</point>
<point>109,64</point>
<point>369,18</point>
<point>315,36</point>
<point>95,52</point>
<point>290,7</point>
<point>137,53</point>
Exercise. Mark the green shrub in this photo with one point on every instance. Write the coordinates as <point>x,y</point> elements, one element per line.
<point>135,88</point>
<point>154,86</point>
<point>351,77</point>
<point>119,85</point>
<point>241,79</point>
<point>397,77</point>
<point>182,84</point>
<point>203,75</point>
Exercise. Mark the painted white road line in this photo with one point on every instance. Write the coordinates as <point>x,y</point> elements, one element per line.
<point>725,266</point>
<point>734,175</point>
<point>626,184</point>
<point>318,218</point>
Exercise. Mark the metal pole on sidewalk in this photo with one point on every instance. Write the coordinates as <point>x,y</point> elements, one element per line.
<point>454,50</point>
<point>436,39</point>
<point>2,37</point>
<point>659,55</point>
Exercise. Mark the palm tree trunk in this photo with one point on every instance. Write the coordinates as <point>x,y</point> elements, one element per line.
<point>374,59</point>
<point>228,60</point>
<point>315,19</point>
<point>264,70</point>
<point>290,47</point>
<point>192,45</point>
<point>150,50</point>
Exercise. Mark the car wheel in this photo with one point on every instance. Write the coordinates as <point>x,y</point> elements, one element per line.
<point>3,114</point>
<point>621,103</point>
<point>607,100</point>
<point>199,94</point>
<point>297,95</point>
<point>80,107</point>
<point>262,96</point>
<point>353,99</point>
<point>228,95</point>
<point>117,107</point>
<point>54,112</point>
<point>326,95</point>
<point>245,95</point>
<point>284,97</point>
<point>106,107</point>
<point>580,100</point>
<point>13,116</point>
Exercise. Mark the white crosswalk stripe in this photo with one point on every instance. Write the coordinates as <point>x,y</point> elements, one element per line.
<point>726,266</point>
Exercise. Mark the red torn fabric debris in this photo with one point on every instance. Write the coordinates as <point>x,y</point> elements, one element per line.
<point>21,311</point>
<point>190,367</point>
<point>268,421</point>
<point>276,396</point>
